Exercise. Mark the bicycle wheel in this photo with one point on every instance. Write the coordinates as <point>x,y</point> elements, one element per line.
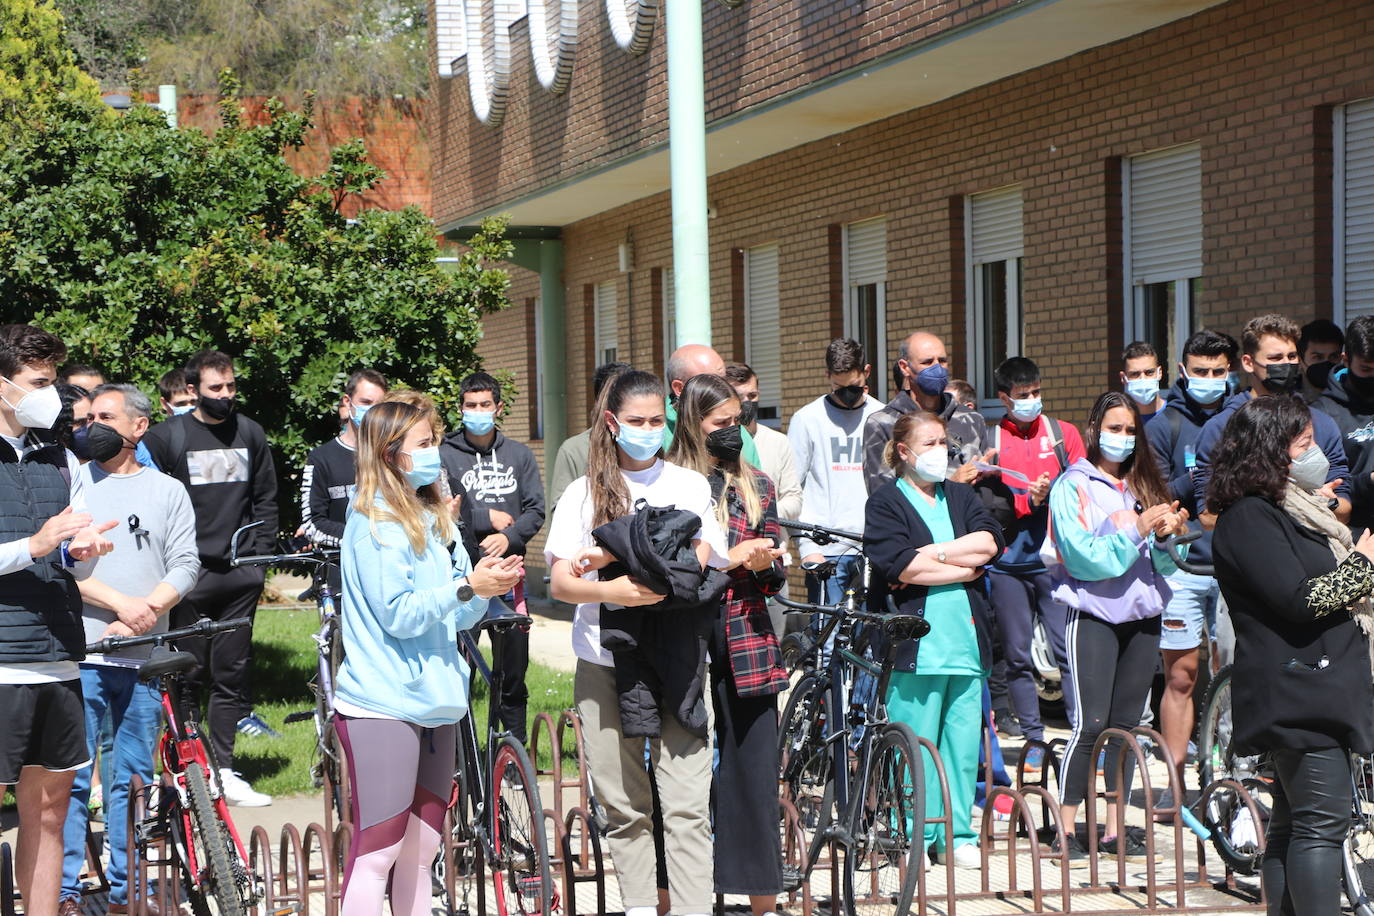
<point>1358,850</point>
<point>1235,832</point>
<point>883,864</point>
<point>212,849</point>
<point>521,874</point>
<point>806,765</point>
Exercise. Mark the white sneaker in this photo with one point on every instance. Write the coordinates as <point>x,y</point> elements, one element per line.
<point>238,792</point>
<point>965,856</point>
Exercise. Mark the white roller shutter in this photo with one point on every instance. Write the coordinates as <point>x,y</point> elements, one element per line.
<point>1356,202</point>
<point>866,252</point>
<point>1165,215</point>
<point>996,233</point>
<point>607,323</point>
<point>761,350</point>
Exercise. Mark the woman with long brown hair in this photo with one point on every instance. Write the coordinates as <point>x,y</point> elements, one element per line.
<point>1109,514</point>
<point>402,686</point>
<point>624,466</point>
<point>746,661</point>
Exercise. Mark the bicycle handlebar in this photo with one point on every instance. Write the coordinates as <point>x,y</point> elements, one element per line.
<point>1174,545</point>
<point>203,627</point>
<point>820,534</point>
<point>317,557</point>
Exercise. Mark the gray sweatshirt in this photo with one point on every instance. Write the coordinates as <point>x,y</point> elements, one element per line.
<point>163,549</point>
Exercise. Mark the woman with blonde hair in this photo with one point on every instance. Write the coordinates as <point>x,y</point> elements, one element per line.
<point>402,686</point>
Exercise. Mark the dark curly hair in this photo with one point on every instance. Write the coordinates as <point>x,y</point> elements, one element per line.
<point>1251,459</point>
<point>1139,470</point>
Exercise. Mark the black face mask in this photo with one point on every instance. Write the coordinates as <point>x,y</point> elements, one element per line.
<point>726,443</point>
<point>1282,378</point>
<point>1361,385</point>
<point>1318,373</point>
<point>81,447</point>
<point>104,441</point>
<point>848,396</point>
<point>748,413</point>
<point>217,408</point>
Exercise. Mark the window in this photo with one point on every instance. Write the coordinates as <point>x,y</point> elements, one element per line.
<point>669,315</point>
<point>607,323</point>
<point>761,350</point>
<point>1162,203</point>
<point>865,295</point>
<point>1353,268</point>
<point>994,240</point>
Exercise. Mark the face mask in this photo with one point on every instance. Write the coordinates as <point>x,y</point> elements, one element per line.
<point>217,408</point>
<point>1361,385</point>
<point>931,465</point>
<point>183,410</point>
<point>1115,447</point>
<point>37,409</point>
<point>424,467</point>
<point>1233,383</point>
<point>640,444</point>
<point>932,379</point>
<point>725,443</point>
<point>1309,469</point>
<point>1144,391</point>
<point>1318,373</point>
<point>478,422</point>
<point>1281,378</point>
<point>848,396</point>
<point>105,441</point>
<point>360,411</point>
<point>81,446</point>
<point>1206,390</point>
<point>1026,409</point>
<point>748,413</point>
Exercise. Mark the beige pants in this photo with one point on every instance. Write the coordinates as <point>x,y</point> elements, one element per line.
<point>682,765</point>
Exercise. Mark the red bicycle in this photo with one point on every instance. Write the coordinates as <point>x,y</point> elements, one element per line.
<point>188,816</point>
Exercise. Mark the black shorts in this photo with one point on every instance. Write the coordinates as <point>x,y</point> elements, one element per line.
<point>45,726</point>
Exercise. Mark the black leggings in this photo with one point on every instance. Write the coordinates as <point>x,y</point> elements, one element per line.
<point>1111,666</point>
<point>1302,856</point>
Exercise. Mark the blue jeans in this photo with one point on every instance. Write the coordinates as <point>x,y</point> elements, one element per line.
<point>1192,606</point>
<point>135,711</point>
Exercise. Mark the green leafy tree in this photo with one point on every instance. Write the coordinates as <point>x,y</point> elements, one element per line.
<point>37,65</point>
<point>139,245</point>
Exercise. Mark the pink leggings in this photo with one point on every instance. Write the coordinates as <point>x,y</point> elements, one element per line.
<point>402,778</point>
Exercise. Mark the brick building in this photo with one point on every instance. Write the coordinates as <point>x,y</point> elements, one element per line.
<point>1050,177</point>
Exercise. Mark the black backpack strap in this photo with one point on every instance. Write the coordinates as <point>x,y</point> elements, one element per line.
<point>1061,451</point>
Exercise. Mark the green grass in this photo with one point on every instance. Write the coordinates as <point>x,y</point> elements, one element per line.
<point>284,663</point>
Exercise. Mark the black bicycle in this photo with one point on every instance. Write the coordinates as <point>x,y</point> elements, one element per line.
<point>496,820</point>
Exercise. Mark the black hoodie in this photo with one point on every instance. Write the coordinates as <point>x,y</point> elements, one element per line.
<point>505,477</point>
<point>1354,415</point>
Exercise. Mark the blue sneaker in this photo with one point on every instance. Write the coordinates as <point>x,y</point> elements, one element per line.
<point>253,726</point>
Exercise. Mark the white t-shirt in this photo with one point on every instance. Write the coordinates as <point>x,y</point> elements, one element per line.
<point>662,485</point>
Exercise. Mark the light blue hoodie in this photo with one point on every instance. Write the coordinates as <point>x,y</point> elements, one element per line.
<point>401,617</point>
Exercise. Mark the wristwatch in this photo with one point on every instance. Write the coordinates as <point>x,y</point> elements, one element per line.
<point>465,591</point>
<point>940,555</point>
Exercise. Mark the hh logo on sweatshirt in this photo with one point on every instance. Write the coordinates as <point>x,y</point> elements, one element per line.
<point>846,453</point>
<point>217,465</point>
<point>488,483</point>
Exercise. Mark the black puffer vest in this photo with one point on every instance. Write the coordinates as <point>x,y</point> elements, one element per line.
<point>40,607</point>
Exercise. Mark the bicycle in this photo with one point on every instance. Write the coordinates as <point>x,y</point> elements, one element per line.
<point>496,817</point>
<point>190,813</point>
<point>330,769</point>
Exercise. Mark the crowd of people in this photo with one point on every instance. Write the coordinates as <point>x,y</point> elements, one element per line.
<point>670,500</point>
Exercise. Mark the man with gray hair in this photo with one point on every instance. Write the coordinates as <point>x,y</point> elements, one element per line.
<point>124,596</point>
<point>691,360</point>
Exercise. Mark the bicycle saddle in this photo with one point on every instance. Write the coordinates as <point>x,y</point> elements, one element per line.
<point>165,661</point>
<point>822,569</point>
<point>906,626</point>
<point>501,618</point>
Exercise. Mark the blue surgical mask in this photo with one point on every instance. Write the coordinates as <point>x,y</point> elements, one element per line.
<point>478,422</point>
<point>1027,409</point>
<point>1233,382</point>
<point>1115,447</point>
<point>1207,390</point>
<point>183,409</point>
<point>640,444</point>
<point>359,411</point>
<point>424,467</point>
<point>1144,391</point>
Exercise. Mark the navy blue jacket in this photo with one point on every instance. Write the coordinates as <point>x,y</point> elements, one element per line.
<point>1173,434</point>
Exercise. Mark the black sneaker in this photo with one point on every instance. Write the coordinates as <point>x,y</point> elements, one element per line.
<point>1135,845</point>
<point>1007,726</point>
<point>1077,854</point>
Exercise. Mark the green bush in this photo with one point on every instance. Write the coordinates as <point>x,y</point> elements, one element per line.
<point>139,244</point>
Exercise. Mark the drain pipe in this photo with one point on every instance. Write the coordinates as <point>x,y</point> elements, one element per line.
<point>687,162</point>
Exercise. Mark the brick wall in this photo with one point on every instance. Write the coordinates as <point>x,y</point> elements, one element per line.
<point>1254,82</point>
<point>617,103</point>
<point>393,130</point>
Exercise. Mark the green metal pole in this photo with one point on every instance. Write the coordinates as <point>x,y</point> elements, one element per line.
<point>687,162</point>
<point>555,352</point>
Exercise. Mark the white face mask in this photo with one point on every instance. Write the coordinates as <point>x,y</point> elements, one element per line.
<point>931,465</point>
<point>37,409</point>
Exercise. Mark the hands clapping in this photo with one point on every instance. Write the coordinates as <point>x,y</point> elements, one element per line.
<point>1164,520</point>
